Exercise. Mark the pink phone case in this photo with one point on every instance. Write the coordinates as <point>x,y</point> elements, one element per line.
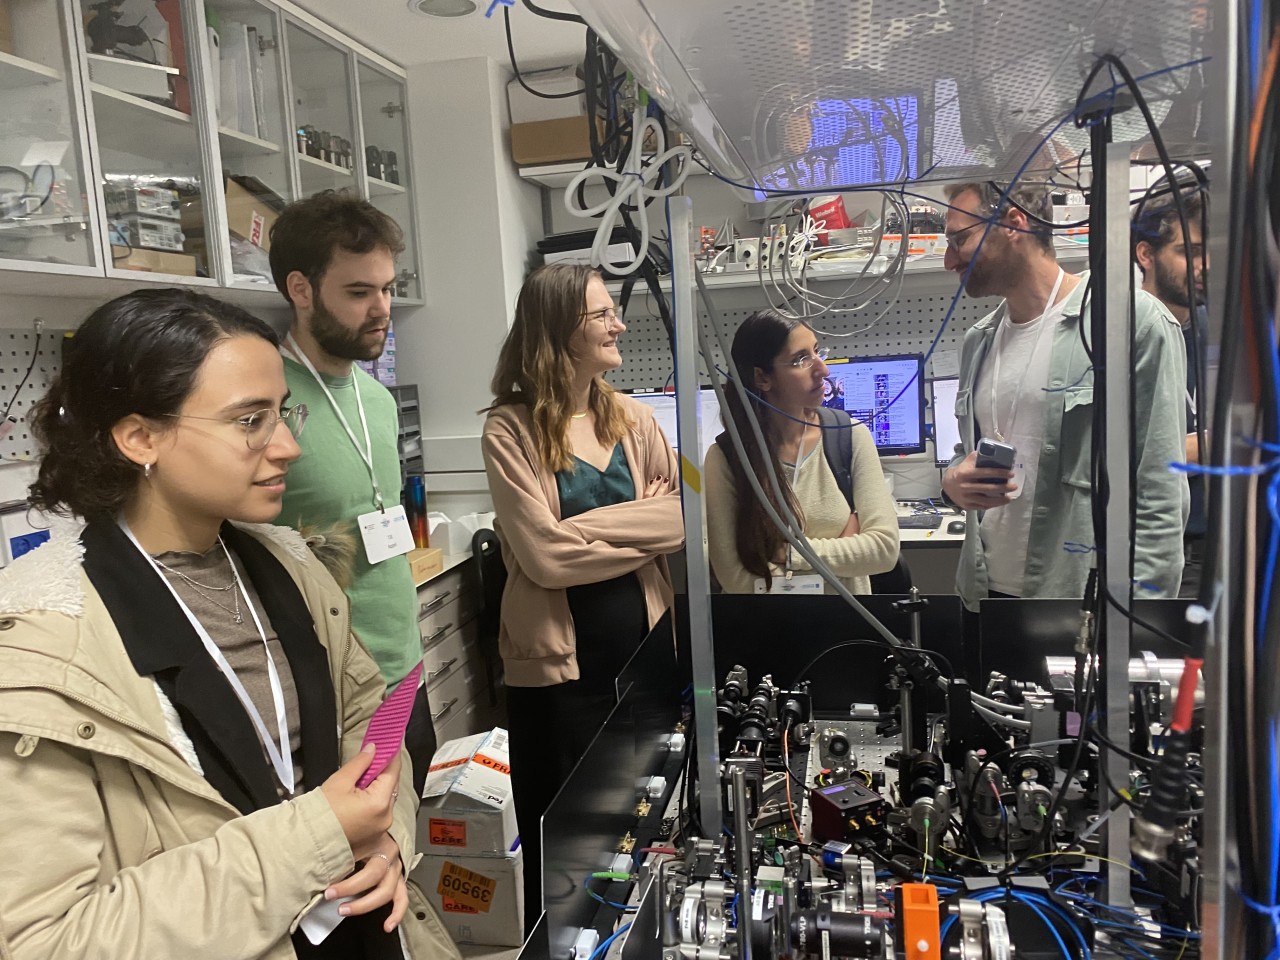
<point>387,726</point>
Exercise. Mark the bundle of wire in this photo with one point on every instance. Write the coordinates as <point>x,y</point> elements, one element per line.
<point>1062,926</point>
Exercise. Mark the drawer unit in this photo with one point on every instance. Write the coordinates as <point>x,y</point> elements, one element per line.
<point>449,656</point>
<point>456,720</point>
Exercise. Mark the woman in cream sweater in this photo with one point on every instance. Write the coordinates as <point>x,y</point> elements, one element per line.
<point>784,370</point>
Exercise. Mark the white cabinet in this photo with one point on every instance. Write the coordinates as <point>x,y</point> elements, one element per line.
<point>156,140</point>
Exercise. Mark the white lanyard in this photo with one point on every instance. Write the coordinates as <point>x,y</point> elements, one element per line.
<point>995,373</point>
<point>366,454</point>
<point>283,767</point>
<point>795,475</point>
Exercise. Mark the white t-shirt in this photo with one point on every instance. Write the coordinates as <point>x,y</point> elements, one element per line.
<point>1024,352</point>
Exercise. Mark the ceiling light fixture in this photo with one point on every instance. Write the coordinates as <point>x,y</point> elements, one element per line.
<point>448,9</point>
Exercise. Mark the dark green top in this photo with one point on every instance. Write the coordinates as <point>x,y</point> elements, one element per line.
<point>586,488</point>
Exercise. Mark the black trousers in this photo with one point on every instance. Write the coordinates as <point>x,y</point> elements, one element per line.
<point>420,739</point>
<point>551,727</point>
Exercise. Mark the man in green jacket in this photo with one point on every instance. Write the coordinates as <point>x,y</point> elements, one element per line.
<point>1025,380</point>
<point>333,259</point>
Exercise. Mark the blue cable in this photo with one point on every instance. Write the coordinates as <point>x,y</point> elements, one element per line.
<point>628,907</point>
<point>604,945</point>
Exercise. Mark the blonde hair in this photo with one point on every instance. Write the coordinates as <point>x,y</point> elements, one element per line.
<point>535,366</point>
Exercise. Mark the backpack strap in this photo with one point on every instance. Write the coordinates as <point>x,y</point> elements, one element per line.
<point>837,447</point>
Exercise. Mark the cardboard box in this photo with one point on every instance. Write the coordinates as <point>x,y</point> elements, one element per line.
<point>550,141</point>
<point>425,563</point>
<point>467,808</point>
<point>153,261</point>
<point>6,28</point>
<point>479,899</point>
<point>248,216</point>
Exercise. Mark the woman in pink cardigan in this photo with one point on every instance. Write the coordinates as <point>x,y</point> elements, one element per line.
<point>584,487</point>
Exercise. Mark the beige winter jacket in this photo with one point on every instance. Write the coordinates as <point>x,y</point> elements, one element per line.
<point>545,555</point>
<point>112,845</point>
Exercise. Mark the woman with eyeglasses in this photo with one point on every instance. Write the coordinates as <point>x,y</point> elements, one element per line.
<point>583,484</point>
<point>784,370</point>
<point>182,702</point>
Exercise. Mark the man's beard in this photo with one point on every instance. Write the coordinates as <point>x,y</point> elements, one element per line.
<point>337,341</point>
<point>1172,290</point>
<point>990,274</point>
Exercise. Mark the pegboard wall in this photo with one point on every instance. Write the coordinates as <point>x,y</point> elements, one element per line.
<point>18,349</point>
<point>908,327</point>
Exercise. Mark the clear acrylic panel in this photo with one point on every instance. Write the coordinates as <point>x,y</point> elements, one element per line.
<point>386,163</point>
<point>149,146</point>
<point>254,137</point>
<point>43,211</point>
<point>324,134</point>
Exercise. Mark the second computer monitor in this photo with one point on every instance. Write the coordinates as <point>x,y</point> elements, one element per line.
<point>885,393</point>
<point>946,428</point>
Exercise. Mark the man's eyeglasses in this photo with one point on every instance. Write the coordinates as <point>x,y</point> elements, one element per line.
<point>606,316</point>
<point>260,427</point>
<point>953,239</point>
<point>805,362</point>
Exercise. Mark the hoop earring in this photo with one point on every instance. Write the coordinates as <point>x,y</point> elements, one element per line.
<point>146,471</point>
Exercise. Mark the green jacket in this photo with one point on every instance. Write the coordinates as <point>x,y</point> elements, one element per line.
<point>1060,551</point>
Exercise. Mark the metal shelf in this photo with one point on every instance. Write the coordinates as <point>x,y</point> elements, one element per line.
<point>15,73</point>
<point>810,96</point>
<point>235,145</point>
<point>385,188</point>
<point>120,117</point>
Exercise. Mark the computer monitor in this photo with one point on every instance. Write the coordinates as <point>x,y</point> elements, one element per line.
<point>946,428</point>
<point>663,406</point>
<point>885,393</point>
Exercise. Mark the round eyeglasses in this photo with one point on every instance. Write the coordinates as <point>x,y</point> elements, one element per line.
<point>607,316</point>
<point>259,427</point>
<point>805,362</point>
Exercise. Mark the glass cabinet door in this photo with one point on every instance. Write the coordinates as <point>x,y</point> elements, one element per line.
<point>386,163</point>
<point>140,57</point>
<point>254,137</point>
<point>44,216</point>
<point>324,125</point>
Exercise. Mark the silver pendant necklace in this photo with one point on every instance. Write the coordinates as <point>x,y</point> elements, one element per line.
<point>203,589</point>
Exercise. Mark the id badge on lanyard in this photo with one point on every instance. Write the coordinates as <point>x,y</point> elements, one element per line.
<point>791,585</point>
<point>384,531</point>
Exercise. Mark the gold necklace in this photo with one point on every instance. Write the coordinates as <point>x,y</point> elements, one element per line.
<point>579,416</point>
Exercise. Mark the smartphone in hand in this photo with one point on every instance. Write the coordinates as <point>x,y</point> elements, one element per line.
<point>994,453</point>
<point>388,724</point>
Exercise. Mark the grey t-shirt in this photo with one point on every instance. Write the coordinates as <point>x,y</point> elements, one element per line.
<point>207,586</point>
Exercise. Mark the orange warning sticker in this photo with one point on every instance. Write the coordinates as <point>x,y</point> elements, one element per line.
<point>447,833</point>
<point>466,887</point>
<point>449,905</point>
<point>492,764</point>
<point>447,764</point>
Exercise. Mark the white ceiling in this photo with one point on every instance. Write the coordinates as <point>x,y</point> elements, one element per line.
<point>406,37</point>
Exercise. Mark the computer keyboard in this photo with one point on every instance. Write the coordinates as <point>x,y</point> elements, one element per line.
<point>920,521</point>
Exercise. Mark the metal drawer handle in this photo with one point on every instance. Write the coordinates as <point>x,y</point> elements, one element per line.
<point>444,667</point>
<point>427,641</point>
<point>433,604</point>
<point>443,710</point>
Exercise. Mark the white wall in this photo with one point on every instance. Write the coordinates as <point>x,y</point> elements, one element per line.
<point>479,221</point>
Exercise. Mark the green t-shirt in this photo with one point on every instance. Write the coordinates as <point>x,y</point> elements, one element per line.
<point>329,484</point>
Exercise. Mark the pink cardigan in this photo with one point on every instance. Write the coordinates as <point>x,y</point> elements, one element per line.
<point>544,554</point>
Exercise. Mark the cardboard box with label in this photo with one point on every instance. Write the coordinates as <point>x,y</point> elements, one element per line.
<point>153,261</point>
<point>467,808</point>
<point>479,899</point>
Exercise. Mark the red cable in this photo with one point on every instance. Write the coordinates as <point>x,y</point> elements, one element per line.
<point>1184,706</point>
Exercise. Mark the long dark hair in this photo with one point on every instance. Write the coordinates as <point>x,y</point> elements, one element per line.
<point>759,340</point>
<point>535,365</point>
<point>137,354</point>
